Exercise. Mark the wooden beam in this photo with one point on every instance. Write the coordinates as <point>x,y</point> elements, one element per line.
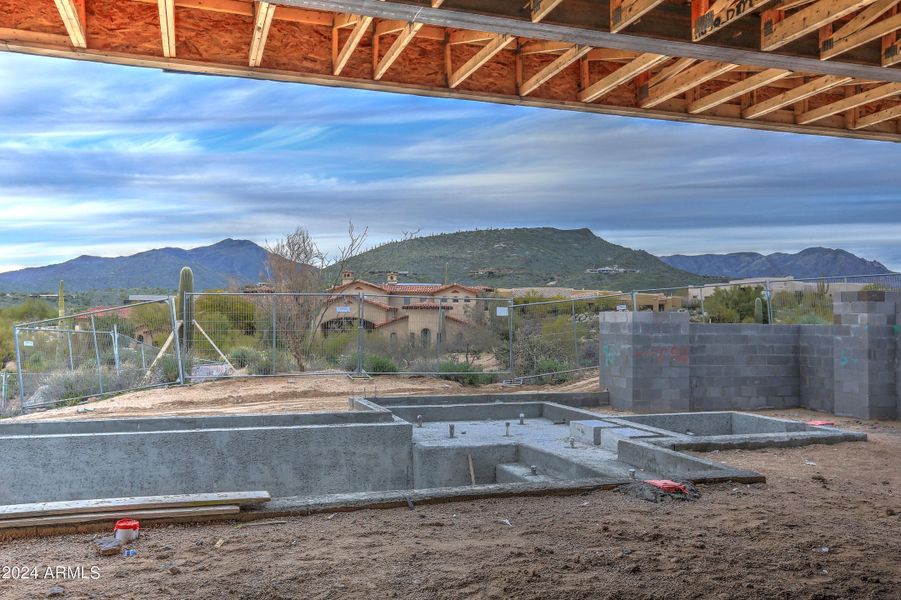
<point>389,26</point>
<point>877,93</point>
<point>340,61</point>
<point>681,83</point>
<point>246,9</point>
<point>737,89</point>
<point>811,88</point>
<point>553,68</point>
<point>402,40</point>
<point>620,76</point>
<point>670,70</point>
<point>891,50</point>
<point>625,12</point>
<point>158,513</point>
<point>878,117</point>
<point>838,43</point>
<point>541,8</point>
<point>34,37</point>
<point>709,16</point>
<point>607,55</point>
<point>72,14</point>
<point>777,29</point>
<point>530,48</point>
<point>480,58</point>
<point>265,11</point>
<point>469,37</point>
<point>167,26</point>
<point>345,20</point>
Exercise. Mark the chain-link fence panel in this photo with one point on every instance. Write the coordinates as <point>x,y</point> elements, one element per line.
<point>104,351</point>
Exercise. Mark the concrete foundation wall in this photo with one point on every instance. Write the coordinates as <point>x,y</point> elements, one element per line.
<point>660,362</point>
<point>285,461</point>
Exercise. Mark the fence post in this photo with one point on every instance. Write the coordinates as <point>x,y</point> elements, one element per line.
<point>703,320</point>
<point>174,317</point>
<point>360,349</point>
<point>575,336</point>
<point>769,303</point>
<point>69,344</point>
<point>115,336</point>
<point>634,301</point>
<point>274,351</point>
<point>97,352</point>
<point>19,367</point>
<point>510,306</point>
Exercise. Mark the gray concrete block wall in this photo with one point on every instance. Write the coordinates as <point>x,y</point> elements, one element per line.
<point>744,366</point>
<point>816,364</point>
<point>645,360</point>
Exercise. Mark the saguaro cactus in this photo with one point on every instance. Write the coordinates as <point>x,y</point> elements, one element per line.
<point>184,309</point>
<point>61,299</point>
<point>758,310</point>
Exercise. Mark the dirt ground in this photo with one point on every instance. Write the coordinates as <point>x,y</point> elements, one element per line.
<point>831,529</point>
<point>275,395</point>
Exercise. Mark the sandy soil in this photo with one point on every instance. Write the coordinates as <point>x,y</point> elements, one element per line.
<point>829,530</point>
<point>275,395</point>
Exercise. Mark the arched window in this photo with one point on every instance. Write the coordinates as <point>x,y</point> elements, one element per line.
<point>425,337</point>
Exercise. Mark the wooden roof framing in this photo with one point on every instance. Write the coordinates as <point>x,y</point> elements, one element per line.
<point>829,67</point>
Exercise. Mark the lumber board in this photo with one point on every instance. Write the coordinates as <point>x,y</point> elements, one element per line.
<point>69,507</point>
<point>150,514</point>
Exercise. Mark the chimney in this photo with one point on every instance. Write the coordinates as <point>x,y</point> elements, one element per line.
<point>392,277</point>
<point>347,277</point>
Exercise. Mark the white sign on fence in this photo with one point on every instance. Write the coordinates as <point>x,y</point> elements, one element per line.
<point>502,311</point>
<point>622,307</point>
<point>342,309</point>
<point>28,343</point>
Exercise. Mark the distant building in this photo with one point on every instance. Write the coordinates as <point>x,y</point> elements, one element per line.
<point>414,313</point>
<point>614,270</point>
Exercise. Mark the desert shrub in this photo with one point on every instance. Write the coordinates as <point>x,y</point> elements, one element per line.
<point>166,370</point>
<point>262,364</point>
<point>242,356</point>
<point>69,385</point>
<point>464,373</point>
<point>35,362</point>
<point>375,363</point>
<point>812,320</point>
<point>552,368</point>
<point>333,347</point>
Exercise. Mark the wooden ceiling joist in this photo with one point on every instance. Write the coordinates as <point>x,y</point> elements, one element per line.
<point>246,9</point>
<point>679,65</point>
<point>552,69</point>
<point>620,76</point>
<point>167,26</point>
<point>737,89</point>
<point>530,48</point>
<point>777,29</point>
<point>887,114</point>
<point>891,50</point>
<point>847,39</point>
<point>261,23</point>
<point>625,12</point>
<point>878,93</point>
<point>802,92</point>
<point>480,58</point>
<point>72,14</point>
<point>34,37</point>
<point>469,37</point>
<point>403,39</point>
<point>684,81</point>
<point>340,57</point>
<point>709,16</point>
<point>541,8</point>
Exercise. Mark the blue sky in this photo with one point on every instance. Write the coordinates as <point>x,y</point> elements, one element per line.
<point>107,160</point>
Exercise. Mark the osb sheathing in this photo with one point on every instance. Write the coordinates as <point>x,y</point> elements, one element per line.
<point>563,86</point>
<point>131,27</point>
<point>212,36</point>
<point>360,63</point>
<point>497,76</point>
<point>37,15</point>
<point>298,47</point>
<point>421,62</point>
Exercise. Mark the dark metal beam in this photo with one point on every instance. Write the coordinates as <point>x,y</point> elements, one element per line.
<point>443,17</point>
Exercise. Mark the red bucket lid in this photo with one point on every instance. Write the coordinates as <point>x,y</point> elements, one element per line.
<point>127,524</point>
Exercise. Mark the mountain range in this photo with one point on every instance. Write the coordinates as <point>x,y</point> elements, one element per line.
<point>520,257</point>
<point>812,262</point>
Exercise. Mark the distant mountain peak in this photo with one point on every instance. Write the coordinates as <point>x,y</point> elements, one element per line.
<point>816,261</point>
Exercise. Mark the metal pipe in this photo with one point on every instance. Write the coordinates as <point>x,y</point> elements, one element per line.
<point>174,319</point>
<point>507,429</point>
<point>450,430</point>
<point>522,419</point>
